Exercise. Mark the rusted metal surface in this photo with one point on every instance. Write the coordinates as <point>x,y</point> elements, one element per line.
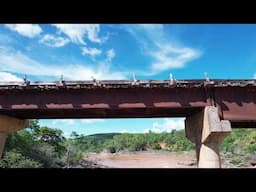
<point>236,99</point>
<point>237,104</point>
<point>112,102</point>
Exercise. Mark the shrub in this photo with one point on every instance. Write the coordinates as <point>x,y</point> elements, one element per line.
<point>73,156</point>
<point>15,159</point>
<point>156,146</point>
<point>236,160</point>
<point>251,148</point>
<point>110,146</point>
<point>111,149</point>
<point>45,154</point>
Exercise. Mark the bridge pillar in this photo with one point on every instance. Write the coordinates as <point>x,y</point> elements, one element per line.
<point>207,131</point>
<point>8,125</point>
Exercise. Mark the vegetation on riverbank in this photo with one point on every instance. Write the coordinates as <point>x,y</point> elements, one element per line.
<point>39,146</point>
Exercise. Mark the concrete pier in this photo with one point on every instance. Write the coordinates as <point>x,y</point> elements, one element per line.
<point>207,131</point>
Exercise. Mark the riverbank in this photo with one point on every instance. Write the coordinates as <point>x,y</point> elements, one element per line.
<point>160,159</point>
<point>144,159</point>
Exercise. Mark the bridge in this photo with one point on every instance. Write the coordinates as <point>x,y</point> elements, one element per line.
<point>211,107</point>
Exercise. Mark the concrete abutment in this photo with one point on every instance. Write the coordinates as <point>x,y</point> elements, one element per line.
<point>8,125</point>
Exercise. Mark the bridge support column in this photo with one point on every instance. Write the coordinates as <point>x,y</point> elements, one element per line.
<point>207,131</point>
<point>8,125</point>
<point>2,142</point>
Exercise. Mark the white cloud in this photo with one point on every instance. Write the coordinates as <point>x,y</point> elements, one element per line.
<point>123,131</point>
<point>254,76</point>
<point>110,54</point>
<point>170,57</point>
<point>28,30</point>
<point>154,42</point>
<point>76,32</point>
<point>91,51</point>
<point>65,121</point>
<point>168,125</point>
<point>8,77</point>
<point>17,62</point>
<point>90,121</point>
<point>53,41</point>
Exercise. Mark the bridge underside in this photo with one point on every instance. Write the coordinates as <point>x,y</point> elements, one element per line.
<point>102,113</point>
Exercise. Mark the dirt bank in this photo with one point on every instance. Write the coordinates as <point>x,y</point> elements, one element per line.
<point>144,159</point>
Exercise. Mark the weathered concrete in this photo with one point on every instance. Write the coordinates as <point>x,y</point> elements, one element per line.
<point>207,131</point>
<point>2,142</point>
<point>11,124</point>
<point>8,125</point>
<point>209,156</point>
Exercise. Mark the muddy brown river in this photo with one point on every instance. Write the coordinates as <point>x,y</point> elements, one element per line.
<point>144,159</point>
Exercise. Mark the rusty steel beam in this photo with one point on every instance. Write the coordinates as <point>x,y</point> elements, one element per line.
<point>236,99</point>
<point>116,100</point>
<point>237,104</point>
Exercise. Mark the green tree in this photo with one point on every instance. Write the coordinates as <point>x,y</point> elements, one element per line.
<point>54,137</point>
<point>21,141</point>
<point>33,124</point>
<point>74,135</point>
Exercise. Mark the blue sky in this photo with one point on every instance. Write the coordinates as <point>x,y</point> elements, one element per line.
<point>116,51</point>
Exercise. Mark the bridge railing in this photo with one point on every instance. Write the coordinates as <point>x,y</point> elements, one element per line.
<point>193,83</point>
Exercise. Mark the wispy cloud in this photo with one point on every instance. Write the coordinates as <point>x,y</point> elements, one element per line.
<point>53,41</point>
<point>17,62</point>
<point>27,30</point>
<point>91,51</point>
<point>155,43</point>
<point>168,57</point>
<point>254,76</point>
<point>110,54</point>
<point>167,126</point>
<point>76,32</point>
<point>4,76</point>
<point>90,121</point>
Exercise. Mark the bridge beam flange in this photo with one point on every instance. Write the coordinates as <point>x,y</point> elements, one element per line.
<point>207,131</point>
